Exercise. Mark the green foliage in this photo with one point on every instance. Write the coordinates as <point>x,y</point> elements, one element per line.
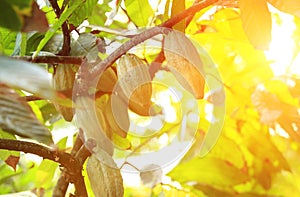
<point>139,12</point>
<point>82,12</point>
<point>65,15</point>
<point>14,21</point>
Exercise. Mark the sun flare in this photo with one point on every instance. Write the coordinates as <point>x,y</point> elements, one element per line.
<point>282,48</point>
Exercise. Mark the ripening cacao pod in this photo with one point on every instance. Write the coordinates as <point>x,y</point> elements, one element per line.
<point>63,80</point>
<point>112,114</point>
<point>88,120</point>
<point>135,81</point>
<point>116,112</point>
<point>101,104</point>
<point>107,80</point>
<point>104,175</point>
<point>184,62</point>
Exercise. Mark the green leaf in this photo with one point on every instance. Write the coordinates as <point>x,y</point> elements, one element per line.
<point>86,46</point>
<point>49,113</point>
<point>33,41</point>
<point>23,6</point>
<point>82,12</point>
<point>65,15</point>
<point>12,20</point>
<point>7,41</point>
<point>139,11</point>
<point>209,170</point>
<point>26,76</point>
<point>22,15</point>
<point>45,174</point>
<point>256,20</point>
<point>289,6</point>
<point>62,144</point>
<point>98,16</point>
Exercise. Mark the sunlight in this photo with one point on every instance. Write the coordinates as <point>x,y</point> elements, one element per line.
<point>282,46</point>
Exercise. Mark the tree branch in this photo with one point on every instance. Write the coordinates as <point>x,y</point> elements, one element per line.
<point>67,39</point>
<point>63,158</point>
<point>62,184</point>
<point>72,164</point>
<point>162,29</point>
<point>188,12</point>
<point>52,59</point>
<point>95,71</point>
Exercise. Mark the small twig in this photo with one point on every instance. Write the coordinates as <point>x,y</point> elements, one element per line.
<point>32,98</point>
<point>52,59</point>
<point>67,39</point>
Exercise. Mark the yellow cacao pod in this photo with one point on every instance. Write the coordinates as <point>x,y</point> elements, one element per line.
<point>107,80</point>
<point>116,112</point>
<point>135,81</point>
<point>184,62</point>
<point>87,120</point>
<point>101,104</point>
<point>105,178</point>
<point>63,80</point>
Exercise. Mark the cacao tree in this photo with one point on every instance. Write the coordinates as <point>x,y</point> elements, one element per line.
<point>149,98</point>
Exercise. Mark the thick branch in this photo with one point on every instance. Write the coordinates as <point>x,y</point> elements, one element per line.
<point>81,153</point>
<point>53,59</point>
<point>63,181</point>
<point>72,164</point>
<point>63,158</point>
<point>188,12</point>
<point>162,29</point>
<point>125,47</point>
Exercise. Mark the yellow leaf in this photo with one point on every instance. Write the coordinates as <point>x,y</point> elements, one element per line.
<point>177,7</point>
<point>289,6</point>
<point>256,20</point>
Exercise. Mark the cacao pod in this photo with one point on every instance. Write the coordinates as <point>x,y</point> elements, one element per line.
<point>117,116</point>
<point>184,62</point>
<point>101,104</point>
<point>107,80</point>
<point>86,119</point>
<point>135,81</point>
<point>63,80</point>
<point>105,178</point>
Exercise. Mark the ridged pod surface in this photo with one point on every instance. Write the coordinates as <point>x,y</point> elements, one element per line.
<point>184,62</point>
<point>105,178</point>
<point>107,80</point>
<point>87,120</point>
<point>63,80</point>
<point>112,119</point>
<point>135,81</point>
